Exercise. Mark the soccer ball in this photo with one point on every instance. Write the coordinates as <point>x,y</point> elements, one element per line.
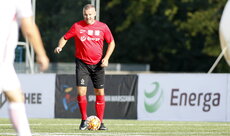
<point>93,123</point>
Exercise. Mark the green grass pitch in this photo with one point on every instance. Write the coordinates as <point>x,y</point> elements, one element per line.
<point>69,127</point>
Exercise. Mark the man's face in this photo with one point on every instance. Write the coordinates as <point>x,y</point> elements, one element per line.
<point>89,15</point>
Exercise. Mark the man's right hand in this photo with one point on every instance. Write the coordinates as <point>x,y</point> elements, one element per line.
<point>57,50</point>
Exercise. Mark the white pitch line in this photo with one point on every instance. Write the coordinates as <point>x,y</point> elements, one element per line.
<point>153,124</point>
<point>131,133</point>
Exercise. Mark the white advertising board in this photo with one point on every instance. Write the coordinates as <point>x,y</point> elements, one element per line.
<point>182,97</point>
<point>228,100</point>
<point>39,91</point>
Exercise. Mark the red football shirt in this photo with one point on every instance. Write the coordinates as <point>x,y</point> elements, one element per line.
<point>89,40</point>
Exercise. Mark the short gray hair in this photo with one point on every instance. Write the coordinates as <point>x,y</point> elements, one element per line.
<point>88,6</point>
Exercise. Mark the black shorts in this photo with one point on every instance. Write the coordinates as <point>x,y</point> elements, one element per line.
<point>84,72</point>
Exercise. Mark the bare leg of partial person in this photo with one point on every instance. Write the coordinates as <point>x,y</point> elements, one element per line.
<point>17,112</point>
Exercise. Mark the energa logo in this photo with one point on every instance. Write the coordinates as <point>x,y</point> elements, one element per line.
<point>153,97</point>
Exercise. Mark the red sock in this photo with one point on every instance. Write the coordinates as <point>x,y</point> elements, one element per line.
<point>82,103</point>
<point>100,106</point>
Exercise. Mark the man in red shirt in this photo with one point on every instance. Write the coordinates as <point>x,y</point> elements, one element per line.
<point>89,36</point>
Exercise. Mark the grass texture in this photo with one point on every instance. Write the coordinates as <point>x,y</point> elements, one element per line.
<point>69,127</point>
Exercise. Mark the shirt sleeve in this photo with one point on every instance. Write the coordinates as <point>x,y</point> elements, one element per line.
<point>108,35</point>
<point>71,32</point>
<point>24,8</point>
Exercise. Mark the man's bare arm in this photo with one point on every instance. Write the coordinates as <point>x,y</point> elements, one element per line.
<point>31,31</point>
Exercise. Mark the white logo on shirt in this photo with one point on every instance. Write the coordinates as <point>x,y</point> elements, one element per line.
<point>83,38</point>
<point>82,31</point>
<point>93,39</point>
<point>90,32</point>
<point>97,32</point>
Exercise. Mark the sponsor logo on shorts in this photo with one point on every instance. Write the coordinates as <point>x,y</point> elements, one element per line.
<point>82,81</point>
